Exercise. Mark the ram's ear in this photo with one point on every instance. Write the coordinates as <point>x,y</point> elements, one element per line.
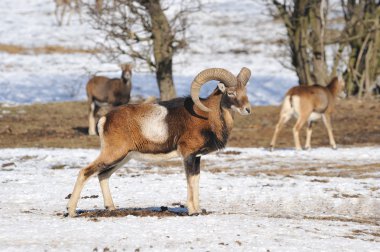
<point>222,87</point>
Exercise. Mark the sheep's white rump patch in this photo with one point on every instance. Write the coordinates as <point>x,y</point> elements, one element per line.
<point>153,124</point>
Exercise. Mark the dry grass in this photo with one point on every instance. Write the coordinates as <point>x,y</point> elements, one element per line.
<point>65,125</point>
<point>352,171</point>
<point>361,171</point>
<point>369,221</point>
<point>372,223</point>
<point>366,232</point>
<point>48,49</point>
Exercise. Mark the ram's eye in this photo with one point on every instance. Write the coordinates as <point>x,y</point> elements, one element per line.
<point>231,94</point>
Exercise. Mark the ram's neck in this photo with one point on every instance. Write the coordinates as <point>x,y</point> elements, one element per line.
<point>220,118</point>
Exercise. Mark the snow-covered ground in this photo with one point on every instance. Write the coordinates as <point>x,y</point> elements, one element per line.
<point>318,200</point>
<point>220,30</point>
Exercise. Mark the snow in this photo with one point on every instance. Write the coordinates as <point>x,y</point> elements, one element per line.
<point>257,201</point>
<point>221,28</point>
<point>318,200</point>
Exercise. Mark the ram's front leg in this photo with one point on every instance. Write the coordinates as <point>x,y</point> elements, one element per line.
<point>192,168</point>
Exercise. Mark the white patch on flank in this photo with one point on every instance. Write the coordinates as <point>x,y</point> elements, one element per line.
<point>101,122</point>
<point>152,157</point>
<point>153,124</point>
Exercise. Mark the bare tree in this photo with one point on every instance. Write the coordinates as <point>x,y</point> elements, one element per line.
<point>362,34</point>
<point>149,31</point>
<point>305,25</point>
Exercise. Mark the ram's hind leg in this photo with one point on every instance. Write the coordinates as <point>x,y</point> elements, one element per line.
<point>104,185</point>
<point>83,176</point>
<point>107,163</point>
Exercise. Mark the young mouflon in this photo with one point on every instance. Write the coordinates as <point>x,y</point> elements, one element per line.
<point>103,91</point>
<point>307,104</point>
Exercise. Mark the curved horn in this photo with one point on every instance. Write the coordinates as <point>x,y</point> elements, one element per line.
<point>218,74</point>
<point>244,75</point>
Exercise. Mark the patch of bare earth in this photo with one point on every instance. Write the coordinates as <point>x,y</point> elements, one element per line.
<point>159,212</point>
<point>65,125</point>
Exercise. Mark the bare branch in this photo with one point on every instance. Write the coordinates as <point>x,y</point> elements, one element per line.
<point>284,14</point>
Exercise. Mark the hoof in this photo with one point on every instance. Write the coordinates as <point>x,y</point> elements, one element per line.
<point>72,214</point>
<point>194,212</point>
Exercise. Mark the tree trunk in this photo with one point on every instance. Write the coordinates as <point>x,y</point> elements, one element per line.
<point>352,88</point>
<point>164,78</point>
<point>297,24</point>
<point>374,60</point>
<point>99,6</point>
<point>162,48</point>
<point>298,41</point>
<point>298,45</point>
<point>317,17</point>
<point>304,63</point>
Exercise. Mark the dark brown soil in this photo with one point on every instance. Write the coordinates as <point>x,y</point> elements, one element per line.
<point>141,212</point>
<point>65,125</point>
